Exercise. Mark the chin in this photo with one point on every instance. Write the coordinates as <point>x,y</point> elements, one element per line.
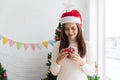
<point>72,38</point>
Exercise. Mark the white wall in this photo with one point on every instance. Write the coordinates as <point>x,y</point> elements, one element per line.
<point>31,21</point>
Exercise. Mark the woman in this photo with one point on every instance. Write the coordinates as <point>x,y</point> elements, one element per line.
<point>72,57</point>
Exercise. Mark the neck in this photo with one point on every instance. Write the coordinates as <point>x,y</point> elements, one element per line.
<point>72,40</point>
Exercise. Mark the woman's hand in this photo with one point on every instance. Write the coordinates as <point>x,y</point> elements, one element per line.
<point>75,57</point>
<point>62,56</point>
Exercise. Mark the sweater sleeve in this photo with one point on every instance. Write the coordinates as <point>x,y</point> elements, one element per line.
<point>89,66</point>
<point>55,68</point>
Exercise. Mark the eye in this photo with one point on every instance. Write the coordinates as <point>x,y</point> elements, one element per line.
<point>74,28</point>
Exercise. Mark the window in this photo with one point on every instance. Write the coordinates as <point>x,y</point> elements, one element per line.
<point>112,39</point>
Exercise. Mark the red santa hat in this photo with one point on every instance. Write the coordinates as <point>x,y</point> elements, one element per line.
<point>72,16</point>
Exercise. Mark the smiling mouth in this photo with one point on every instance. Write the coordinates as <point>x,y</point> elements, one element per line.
<point>70,35</point>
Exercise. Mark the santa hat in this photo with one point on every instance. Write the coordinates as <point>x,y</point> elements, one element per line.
<point>72,16</point>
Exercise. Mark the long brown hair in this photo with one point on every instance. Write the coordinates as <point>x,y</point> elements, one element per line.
<point>64,42</point>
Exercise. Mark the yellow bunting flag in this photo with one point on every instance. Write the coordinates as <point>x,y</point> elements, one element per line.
<point>45,43</point>
<point>19,45</point>
<point>5,40</point>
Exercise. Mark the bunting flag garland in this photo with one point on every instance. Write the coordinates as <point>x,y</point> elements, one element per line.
<point>45,43</point>
<point>11,43</point>
<point>33,46</point>
<point>39,46</point>
<point>26,46</point>
<point>52,42</point>
<point>19,45</point>
<point>5,40</point>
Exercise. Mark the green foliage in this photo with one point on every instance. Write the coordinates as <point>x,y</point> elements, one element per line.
<point>95,77</point>
<point>2,73</point>
<point>49,75</point>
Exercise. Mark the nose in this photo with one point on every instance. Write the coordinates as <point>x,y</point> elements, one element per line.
<point>70,32</point>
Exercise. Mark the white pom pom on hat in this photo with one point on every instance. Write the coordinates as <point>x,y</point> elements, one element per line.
<point>72,16</point>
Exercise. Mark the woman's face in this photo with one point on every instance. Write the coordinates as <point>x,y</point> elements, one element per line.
<point>71,30</point>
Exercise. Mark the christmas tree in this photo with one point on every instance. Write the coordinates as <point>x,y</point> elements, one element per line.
<point>49,75</point>
<point>2,73</point>
<point>57,32</point>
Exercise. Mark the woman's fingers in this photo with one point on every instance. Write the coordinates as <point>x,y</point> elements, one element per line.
<point>61,57</point>
<point>77,59</point>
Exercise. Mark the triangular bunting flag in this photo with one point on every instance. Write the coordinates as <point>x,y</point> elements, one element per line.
<point>33,46</point>
<point>5,40</point>
<point>39,46</point>
<point>19,45</point>
<point>26,46</point>
<point>45,43</point>
<point>11,43</point>
<point>52,41</point>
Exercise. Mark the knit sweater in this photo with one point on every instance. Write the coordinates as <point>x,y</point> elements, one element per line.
<point>69,70</point>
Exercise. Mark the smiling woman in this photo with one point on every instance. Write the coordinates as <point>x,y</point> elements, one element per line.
<point>29,21</point>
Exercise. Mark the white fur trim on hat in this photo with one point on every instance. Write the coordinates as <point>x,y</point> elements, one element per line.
<point>70,19</point>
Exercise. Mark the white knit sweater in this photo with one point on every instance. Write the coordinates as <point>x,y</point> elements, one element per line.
<point>69,70</point>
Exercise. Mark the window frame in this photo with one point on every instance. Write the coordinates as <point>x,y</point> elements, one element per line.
<point>97,33</point>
